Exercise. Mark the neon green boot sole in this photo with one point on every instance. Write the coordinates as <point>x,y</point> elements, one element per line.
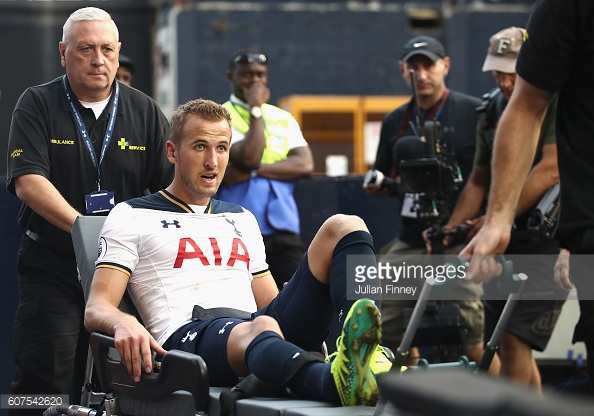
<point>351,367</point>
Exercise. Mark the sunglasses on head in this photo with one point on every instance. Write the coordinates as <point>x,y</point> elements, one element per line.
<point>248,58</point>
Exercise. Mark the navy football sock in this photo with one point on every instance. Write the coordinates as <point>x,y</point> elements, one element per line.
<point>315,382</point>
<point>354,243</point>
<point>273,360</point>
<point>268,357</point>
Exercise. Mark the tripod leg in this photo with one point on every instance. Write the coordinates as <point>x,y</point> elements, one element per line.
<point>402,350</point>
<point>493,343</point>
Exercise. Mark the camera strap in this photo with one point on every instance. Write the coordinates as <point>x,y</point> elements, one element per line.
<point>433,114</point>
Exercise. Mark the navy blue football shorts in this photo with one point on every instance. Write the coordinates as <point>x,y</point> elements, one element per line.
<point>303,310</point>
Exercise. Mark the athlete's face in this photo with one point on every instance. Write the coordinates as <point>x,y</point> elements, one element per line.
<point>429,76</point>
<point>90,56</point>
<point>505,82</point>
<point>200,159</point>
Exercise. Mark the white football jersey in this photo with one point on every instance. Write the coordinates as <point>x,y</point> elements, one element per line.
<point>177,258</point>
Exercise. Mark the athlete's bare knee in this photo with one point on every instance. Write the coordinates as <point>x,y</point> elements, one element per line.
<point>242,335</point>
<point>339,225</point>
<point>264,323</point>
<point>322,247</point>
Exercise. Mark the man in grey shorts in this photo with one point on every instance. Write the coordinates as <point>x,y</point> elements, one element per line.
<point>424,65</point>
<point>532,321</point>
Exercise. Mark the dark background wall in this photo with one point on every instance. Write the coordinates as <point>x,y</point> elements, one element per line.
<point>333,49</point>
<point>314,48</point>
<point>317,48</point>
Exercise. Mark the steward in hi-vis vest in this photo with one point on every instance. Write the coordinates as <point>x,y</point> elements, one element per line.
<point>268,152</point>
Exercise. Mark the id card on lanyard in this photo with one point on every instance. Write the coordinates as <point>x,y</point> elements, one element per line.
<point>99,200</point>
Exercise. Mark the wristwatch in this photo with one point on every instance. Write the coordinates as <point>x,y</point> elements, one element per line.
<point>256,111</point>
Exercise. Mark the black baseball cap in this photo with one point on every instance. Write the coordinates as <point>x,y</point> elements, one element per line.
<point>127,63</point>
<point>423,45</point>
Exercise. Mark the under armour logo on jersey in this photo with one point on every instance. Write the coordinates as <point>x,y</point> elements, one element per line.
<point>226,324</point>
<point>167,224</point>
<point>233,224</point>
<point>189,336</point>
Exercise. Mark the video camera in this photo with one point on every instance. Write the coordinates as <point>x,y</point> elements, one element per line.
<point>433,177</point>
<point>426,169</point>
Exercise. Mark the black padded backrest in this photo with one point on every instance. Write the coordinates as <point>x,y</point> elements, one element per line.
<point>85,237</point>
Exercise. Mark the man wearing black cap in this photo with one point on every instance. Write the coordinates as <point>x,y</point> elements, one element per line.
<point>424,66</point>
<point>125,70</point>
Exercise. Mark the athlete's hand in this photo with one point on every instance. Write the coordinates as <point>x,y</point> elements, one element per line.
<point>562,271</point>
<point>134,344</point>
<point>490,240</point>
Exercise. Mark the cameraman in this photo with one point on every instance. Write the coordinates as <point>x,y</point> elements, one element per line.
<point>424,66</point>
<point>532,321</point>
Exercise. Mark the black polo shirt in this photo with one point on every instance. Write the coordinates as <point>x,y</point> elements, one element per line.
<point>44,140</point>
<point>458,119</point>
<point>558,55</point>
